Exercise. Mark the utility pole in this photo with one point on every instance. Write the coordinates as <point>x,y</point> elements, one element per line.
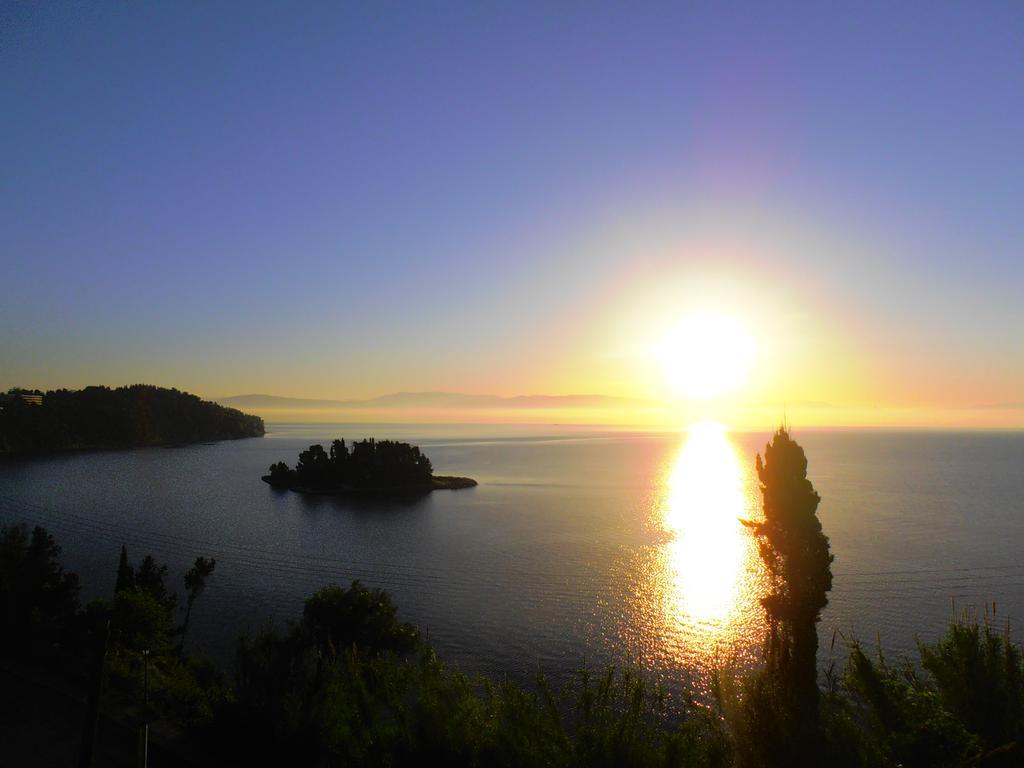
<point>144,728</point>
<point>92,724</point>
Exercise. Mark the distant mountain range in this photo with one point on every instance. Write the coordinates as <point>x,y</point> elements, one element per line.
<point>434,400</point>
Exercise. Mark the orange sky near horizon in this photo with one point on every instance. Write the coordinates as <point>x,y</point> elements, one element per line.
<point>829,349</point>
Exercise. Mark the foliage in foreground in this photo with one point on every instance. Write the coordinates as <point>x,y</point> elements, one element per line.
<point>45,627</point>
<point>375,702</point>
<point>351,685</point>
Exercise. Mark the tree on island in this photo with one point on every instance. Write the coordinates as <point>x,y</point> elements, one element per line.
<point>367,464</point>
<point>314,466</point>
<point>339,455</point>
<point>796,555</point>
<point>280,473</point>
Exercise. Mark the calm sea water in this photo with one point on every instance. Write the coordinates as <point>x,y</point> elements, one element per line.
<point>576,546</point>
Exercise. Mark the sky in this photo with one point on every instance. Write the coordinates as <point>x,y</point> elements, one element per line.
<point>342,200</point>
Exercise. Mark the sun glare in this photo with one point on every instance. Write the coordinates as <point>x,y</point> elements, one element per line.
<point>706,355</point>
<point>701,604</point>
<point>704,505</point>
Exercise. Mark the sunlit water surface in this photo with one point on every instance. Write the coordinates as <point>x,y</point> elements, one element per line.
<point>577,547</point>
<point>696,590</point>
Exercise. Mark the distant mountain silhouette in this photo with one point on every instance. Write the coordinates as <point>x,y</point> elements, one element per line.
<point>435,400</point>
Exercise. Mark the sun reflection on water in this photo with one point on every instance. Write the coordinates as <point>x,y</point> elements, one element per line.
<point>703,578</point>
<point>705,501</point>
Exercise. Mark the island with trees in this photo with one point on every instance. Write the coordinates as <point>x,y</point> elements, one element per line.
<point>368,466</point>
<point>135,416</point>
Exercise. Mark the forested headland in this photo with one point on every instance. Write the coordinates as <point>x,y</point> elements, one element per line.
<point>369,465</point>
<point>32,421</point>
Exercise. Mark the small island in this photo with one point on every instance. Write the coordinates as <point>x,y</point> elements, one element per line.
<point>378,466</point>
<point>36,422</point>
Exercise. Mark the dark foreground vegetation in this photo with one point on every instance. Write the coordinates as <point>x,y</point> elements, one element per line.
<point>350,685</point>
<point>99,417</point>
<point>369,465</point>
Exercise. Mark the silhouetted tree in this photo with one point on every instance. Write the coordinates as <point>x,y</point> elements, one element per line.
<point>280,473</point>
<point>195,583</point>
<point>38,599</point>
<point>339,460</point>
<point>125,572</point>
<point>337,618</point>
<point>313,467</point>
<point>796,555</point>
<point>140,621</point>
<point>150,577</point>
<point>384,464</point>
<point>346,655</point>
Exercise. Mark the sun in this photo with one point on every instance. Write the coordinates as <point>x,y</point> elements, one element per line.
<point>706,356</point>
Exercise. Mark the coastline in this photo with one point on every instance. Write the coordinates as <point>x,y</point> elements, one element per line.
<point>439,483</point>
<point>99,447</point>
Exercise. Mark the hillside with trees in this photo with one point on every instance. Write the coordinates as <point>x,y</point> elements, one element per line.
<point>139,415</point>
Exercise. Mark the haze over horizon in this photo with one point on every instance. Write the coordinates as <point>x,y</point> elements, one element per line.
<point>340,202</point>
<point>606,410</point>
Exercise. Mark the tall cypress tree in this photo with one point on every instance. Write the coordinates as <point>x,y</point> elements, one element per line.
<point>125,572</point>
<point>195,583</point>
<point>796,555</point>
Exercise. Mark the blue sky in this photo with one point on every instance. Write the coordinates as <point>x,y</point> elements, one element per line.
<point>347,199</point>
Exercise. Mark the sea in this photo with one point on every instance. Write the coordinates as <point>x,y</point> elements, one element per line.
<point>579,548</point>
